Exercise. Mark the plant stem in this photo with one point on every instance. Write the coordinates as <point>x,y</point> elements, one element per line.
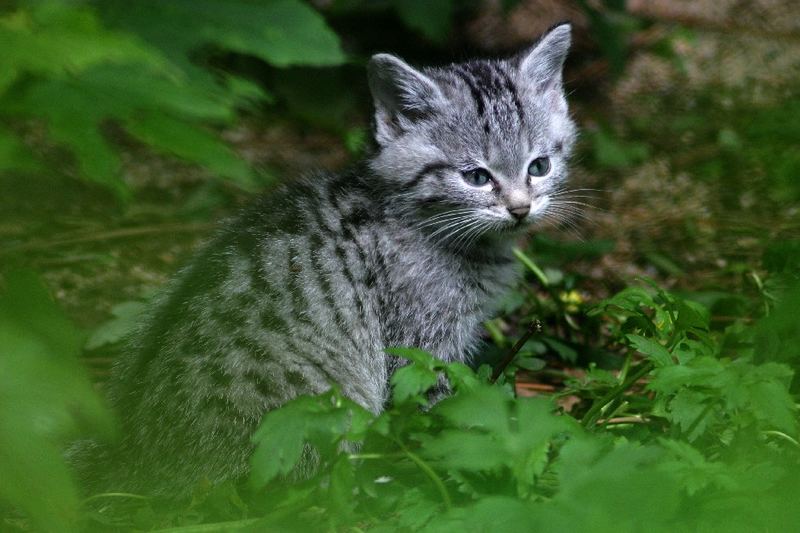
<point>535,327</point>
<point>357,456</point>
<point>533,267</point>
<point>211,528</point>
<point>591,415</point>
<point>433,476</point>
<point>115,495</point>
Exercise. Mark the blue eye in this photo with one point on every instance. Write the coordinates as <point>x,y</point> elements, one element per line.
<point>539,167</point>
<point>477,177</point>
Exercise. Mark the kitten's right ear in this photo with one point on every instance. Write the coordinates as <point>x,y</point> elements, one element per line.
<point>402,95</point>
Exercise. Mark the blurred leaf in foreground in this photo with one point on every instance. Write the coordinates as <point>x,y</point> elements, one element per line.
<point>45,399</point>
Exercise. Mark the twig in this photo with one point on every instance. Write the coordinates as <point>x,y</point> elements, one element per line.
<point>535,327</point>
<point>108,235</point>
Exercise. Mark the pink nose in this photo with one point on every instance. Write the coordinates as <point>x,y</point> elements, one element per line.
<point>521,211</point>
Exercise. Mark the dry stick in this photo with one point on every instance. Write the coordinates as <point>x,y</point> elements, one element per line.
<point>109,235</point>
<point>535,327</point>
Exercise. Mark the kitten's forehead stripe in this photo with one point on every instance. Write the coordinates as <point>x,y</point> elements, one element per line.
<point>509,87</point>
<point>464,74</point>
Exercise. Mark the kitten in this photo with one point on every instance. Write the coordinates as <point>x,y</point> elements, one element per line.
<point>309,285</point>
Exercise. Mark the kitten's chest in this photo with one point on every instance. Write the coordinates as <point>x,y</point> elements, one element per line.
<point>437,302</point>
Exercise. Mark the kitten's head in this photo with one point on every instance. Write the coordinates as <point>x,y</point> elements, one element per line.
<point>479,145</point>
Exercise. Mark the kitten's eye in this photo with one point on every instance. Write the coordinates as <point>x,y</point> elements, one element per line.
<point>477,177</point>
<point>539,167</point>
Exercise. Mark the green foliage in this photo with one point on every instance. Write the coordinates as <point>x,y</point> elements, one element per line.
<point>78,66</point>
<point>704,433</point>
<point>280,32</point>
<point>45,400</point>
<point>484,459</point>
<point>662,418</point>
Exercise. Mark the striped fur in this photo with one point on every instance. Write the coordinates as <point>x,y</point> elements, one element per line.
<point>309,285</point>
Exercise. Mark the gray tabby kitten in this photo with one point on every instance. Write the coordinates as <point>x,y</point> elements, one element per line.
<point>309,285</point>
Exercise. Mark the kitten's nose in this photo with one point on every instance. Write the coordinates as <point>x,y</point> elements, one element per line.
<point>520,211</point>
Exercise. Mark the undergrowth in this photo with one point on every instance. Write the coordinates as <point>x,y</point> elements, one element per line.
<point>687,428</point>
<point>631,409</point>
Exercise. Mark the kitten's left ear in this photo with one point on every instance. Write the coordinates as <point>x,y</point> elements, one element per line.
<point>402,95</point>
<point>541,66</point>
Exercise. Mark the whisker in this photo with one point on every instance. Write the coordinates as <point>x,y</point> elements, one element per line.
<point>570,210</point>
<point>450,224</point>
<point>482,230</point>
<point>570,214</point>
<point>567,217</point>
<point>442,217</point>
<point>458,229</point>
<point>567,191</point>
<point>582,204</point>
<point>467,233</point>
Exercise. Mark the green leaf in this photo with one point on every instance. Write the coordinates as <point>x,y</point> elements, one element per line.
<point>415,355</point>
<point>126,316</point>
<point>461,377</point>
<point>630,299</point>
<point>412,381</point>
<point>567,353</point>
<point>491,513</point>
<point>47,400</point>
<point>58,39</point>
<point>340,490</point>
<point>320,422</point>
<point>530,363</point>
<point>688,410</point>
<point>694,470</point>
<point>692,316</point>
<point>650,349</point>
<point>465,450</point>
<point>193,144</point>
<point>280,440</point>
<point>484,407</point>
<point>281,32</point>
<point>772,403</point>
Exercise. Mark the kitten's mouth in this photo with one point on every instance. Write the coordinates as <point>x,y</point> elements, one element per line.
<point>514,226</point>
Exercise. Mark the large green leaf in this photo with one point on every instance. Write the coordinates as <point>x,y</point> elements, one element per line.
<point>45,399</point>
<point>76,109</point>
<point>281,32</point>
<point>191,143</point>
<point>78,74</point>
<point>58,39</point>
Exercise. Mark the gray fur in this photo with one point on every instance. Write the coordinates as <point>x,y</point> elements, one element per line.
<point>309,285</point>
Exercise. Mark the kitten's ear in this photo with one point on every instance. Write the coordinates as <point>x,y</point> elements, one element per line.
<point>541,66</point>
<point>402,95</point>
